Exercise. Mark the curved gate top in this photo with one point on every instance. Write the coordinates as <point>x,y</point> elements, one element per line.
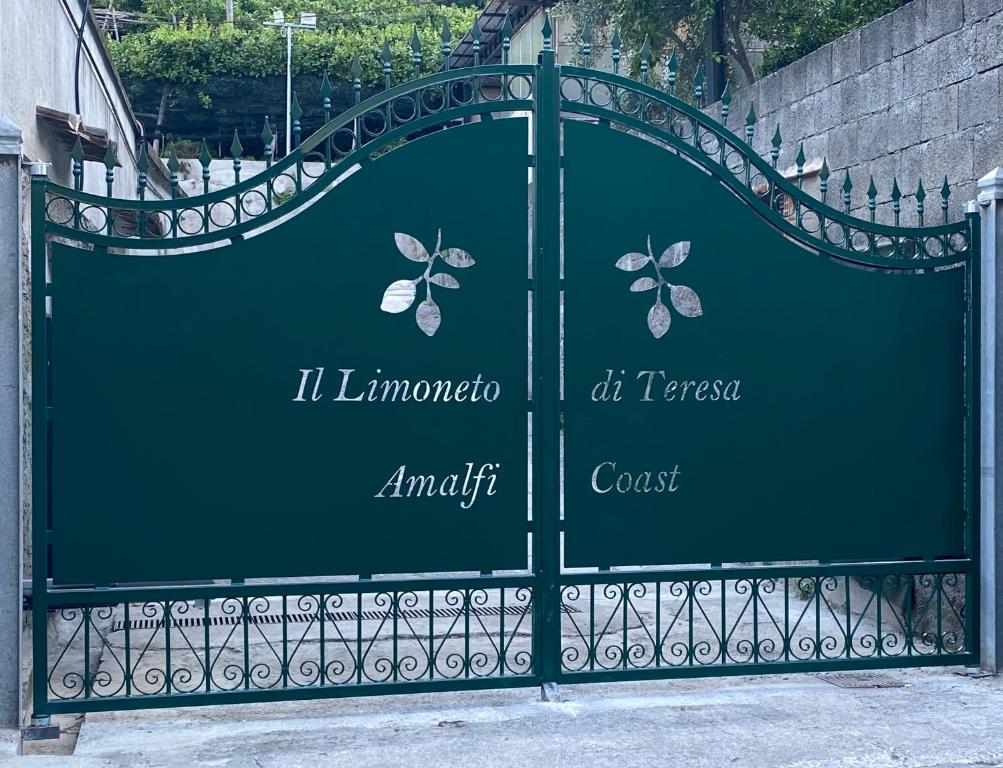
<point>339,428</point>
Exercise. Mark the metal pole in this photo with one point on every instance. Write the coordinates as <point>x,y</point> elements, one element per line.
<point>546,373</point>
<point>289,89</point>
<point>40,723</point>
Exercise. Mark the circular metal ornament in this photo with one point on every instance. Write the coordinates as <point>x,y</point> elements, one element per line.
<point>600,95</point>
<point>59,210</point>
<point>253,202</point>
<point>811,221</point>
<point>934,247</point>
<point>190,221</point>
<point>93,218</point>
<point>222,214</point>
<point>572,89</point>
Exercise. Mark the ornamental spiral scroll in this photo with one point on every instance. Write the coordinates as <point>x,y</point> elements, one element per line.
<point>234,643</point>
<point>759,621</point>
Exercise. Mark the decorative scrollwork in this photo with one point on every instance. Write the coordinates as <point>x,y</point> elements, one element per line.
<point>239,643</point>
<point>660,116</point>
<point>758,621</point>
<point>383,121</point>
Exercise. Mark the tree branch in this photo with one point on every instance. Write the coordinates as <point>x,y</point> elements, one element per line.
<point>738,49</point>
<point>676,39</point>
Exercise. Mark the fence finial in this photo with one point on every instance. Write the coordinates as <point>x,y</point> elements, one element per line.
<point>77,155</point>
<point>726,102</point>
<point>326,91</point>
<point>173,165</point>
<point>110,161</point>
<point>387,64</point>
<point>847,190</point>
<point>357,78</point>
<point>475,41</point>
<point>447,36</point>
<point>777,142</point>
<point>205,159</point>
<point>920,198</point>
<point>896,199</point>
<point>671,72</point>
<point>548,32</point>
<point>506,37</point>
<point>296,112</point>
<point>236,150</point>
<point>267,138</point>
<point>750,123</point>
<point>823,179</point>
<point>872,197</point>
<point>415,51</point>
<point>945,195</point>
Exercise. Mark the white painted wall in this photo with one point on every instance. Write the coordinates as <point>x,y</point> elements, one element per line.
<point>38,41</point>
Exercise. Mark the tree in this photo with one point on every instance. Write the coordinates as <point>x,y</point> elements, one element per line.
<point>683,26</point>
<point>789,29</point>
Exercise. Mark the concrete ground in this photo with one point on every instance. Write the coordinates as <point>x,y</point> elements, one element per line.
<point>933,719</point>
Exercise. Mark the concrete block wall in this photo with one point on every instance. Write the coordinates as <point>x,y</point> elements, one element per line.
<point>915,94</point>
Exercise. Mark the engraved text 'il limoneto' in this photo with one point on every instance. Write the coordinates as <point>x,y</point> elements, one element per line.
<point>353,389</point>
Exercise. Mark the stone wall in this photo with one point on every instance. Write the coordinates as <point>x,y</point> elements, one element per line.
<point>915,94</point>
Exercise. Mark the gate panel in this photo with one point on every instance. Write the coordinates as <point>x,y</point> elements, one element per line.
<point>750,375</point>
<point>293,404</point>
<point>733,397</point>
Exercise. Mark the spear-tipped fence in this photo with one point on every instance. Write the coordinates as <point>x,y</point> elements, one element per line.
<point>453,95</point>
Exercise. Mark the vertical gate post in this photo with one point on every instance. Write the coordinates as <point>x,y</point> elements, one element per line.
<point>10,419</point>
<point>40,722</point>
<point>546,369</point>
<point>990,200</point>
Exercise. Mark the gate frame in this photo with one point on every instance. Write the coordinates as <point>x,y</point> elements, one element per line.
<point>550,585</point>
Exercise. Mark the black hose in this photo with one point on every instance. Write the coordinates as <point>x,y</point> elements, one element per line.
<point>80,45</point>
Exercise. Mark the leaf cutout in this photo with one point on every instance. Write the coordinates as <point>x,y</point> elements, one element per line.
<point>686,301</point>
<point>445,280</point>
<point>428,317</point>
<point>410,247</point>
<point>631,262</point>
<point>457,257</point>
<point>658,319</point>
<point>643,284</point>
<point>398,296</point>
<point>675,254</point>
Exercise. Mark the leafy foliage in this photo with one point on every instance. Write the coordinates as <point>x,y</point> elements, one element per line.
<point>795,29</point>
<point>225,71</point>
<point>790,29</point>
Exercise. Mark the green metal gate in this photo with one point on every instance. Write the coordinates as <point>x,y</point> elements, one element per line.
<point>295,464</point>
